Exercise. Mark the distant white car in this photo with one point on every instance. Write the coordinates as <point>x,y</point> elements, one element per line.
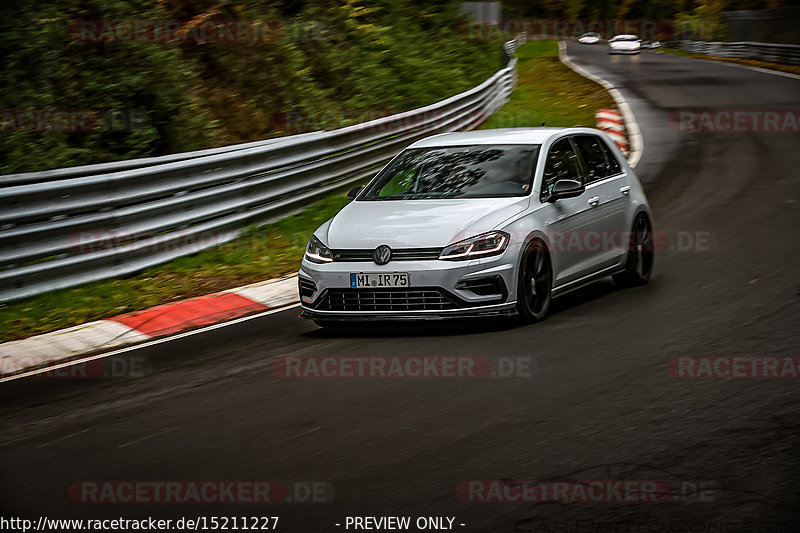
<point>624,44</point>
<point>650,44</point>
<point>490,222</point>
<point>590,38</point>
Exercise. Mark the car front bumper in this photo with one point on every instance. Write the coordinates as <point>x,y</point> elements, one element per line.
<point>437,289</point>
<point>506,309</point>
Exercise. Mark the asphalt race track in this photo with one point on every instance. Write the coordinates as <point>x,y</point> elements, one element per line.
<point>598,404</point>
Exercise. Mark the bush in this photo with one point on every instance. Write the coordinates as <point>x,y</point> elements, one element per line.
<point>346,55</point>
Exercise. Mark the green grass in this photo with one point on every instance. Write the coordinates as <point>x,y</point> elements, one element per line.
<point>260,253</point>
<point>548,92</point>
<point>678,52</point>
<point>533,49</point>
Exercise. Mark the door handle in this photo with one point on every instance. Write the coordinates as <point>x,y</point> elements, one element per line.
<point>625,190</point>
<point>594,200</point>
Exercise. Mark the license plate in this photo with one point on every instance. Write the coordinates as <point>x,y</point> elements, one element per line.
<point>379,279</point>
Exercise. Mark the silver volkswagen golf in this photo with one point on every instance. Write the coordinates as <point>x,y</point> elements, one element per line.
<point>490,222</point>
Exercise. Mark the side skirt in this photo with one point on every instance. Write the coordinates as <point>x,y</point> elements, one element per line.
<point>582,282</point>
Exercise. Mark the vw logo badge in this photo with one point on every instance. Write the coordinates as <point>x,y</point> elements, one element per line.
<point>382,254</point>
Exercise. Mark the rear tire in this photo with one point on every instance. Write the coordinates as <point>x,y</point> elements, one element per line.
<point>534,283</point>
<point>639,263</point>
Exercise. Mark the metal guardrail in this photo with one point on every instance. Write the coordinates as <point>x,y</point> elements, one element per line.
<point>71,226</point>
<point>788,54</point>
<point>116,166</point>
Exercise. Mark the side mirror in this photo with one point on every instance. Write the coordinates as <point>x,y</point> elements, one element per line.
<point>565,189</point>
<point>352,193</point>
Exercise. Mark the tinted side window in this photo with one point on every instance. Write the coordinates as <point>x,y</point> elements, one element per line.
<point>595,157</point>
<point>613,165</point>
<point>562,164</point>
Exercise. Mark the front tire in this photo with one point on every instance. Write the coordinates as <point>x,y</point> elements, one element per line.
<point>639,264</point>
<point>535,283</point>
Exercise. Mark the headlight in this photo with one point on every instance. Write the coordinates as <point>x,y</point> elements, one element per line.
<point>316,252</point>
<point>487,244</point>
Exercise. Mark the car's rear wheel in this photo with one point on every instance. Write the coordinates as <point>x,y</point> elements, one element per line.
<point>535,283</point>
<point>639,264</point>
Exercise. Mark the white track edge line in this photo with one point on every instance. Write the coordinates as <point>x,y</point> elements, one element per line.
<point>634,133</point>
<point>146,344</point>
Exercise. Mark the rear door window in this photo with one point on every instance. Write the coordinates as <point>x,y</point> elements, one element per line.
<point>595,157</point>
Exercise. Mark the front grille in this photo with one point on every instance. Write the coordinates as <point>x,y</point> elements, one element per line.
<point>401,254</point>
<point>389,299</point>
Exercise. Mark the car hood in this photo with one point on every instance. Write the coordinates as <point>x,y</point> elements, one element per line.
<point>418,223</point>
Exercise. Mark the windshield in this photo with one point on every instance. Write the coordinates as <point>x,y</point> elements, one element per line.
<point>456,172</point>
<point>625,38</point>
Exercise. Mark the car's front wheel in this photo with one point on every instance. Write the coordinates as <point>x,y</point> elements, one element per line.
<point>535,283</point>
<point>639,264</point>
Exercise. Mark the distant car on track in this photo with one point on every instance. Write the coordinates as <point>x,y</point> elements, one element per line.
<point>650,44</point>
<point>491,222</point>
<point>590,38</point>
<point>624,44</point>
